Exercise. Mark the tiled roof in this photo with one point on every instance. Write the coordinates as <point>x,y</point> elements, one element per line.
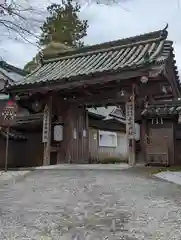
<point>11,72</point>
<point>150,49</point>
<point>109,119</point>
<point>109,113</point>
<point>163,108</point>
<point>118,113</point>
<point>102,110</point>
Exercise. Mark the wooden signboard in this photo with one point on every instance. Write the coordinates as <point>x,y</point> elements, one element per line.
<point>8,118</point>
<point>130,121</point>
<point>46,125</point>
<point>8,114</point>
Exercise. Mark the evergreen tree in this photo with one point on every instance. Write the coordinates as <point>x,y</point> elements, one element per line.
<point>64,25</point>
<point>62,28</point>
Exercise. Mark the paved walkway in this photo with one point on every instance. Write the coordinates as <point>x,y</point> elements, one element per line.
<point>93,204</point>
<point>120,166</point>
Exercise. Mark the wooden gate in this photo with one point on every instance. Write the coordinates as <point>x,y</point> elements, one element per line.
<point>157,146</point>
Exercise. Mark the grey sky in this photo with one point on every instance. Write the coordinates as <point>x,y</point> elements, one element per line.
<point>113,22</point>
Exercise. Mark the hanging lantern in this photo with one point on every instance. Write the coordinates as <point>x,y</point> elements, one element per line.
<point>37,106</point>
<point>144,79</point>
<point>161,120</point>
<point>157,122</point>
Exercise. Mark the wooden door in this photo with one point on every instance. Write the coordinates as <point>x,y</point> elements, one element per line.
<point>158,146</point>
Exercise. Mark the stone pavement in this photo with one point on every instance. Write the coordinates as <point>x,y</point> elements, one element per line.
<point>120,166</point>
<point>90,204</point>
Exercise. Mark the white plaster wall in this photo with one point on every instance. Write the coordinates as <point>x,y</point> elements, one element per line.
<point>121,150</point>
<point>123,144</point>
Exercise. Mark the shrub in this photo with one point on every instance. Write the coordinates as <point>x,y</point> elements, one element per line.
<point>113,160</point>
<point>92,160</point>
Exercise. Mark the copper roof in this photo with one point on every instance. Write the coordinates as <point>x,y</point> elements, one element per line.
<point>133,53</point>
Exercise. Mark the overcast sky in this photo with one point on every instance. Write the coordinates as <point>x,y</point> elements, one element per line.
<point>113,22</point>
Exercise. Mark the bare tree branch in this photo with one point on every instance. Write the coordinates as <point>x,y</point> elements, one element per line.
<point>20,20</point>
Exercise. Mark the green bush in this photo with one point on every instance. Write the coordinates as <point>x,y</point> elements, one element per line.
<point>93,160</point>
<point>112,160</point>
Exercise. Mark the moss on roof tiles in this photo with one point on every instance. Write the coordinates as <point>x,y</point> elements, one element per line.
<point>143,38</point>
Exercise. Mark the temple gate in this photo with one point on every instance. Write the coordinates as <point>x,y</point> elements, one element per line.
<point>130,73</point>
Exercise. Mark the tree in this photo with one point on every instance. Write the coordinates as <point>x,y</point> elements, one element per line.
<point>63,25</point>
<point>51,48</point>
<point>20,19</point>
<point>32,65</point>
<point>62,29</point>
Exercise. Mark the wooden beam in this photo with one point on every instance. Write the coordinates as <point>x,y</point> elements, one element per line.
<point>100,99</point>
<point>168,96</point>
<point>109,91</point>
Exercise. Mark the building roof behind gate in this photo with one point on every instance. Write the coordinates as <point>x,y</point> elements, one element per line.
<point>11,72</point>
<point>151,49</point>
<point>163,108</point>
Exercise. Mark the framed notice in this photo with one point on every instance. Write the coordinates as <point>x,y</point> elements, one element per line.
<point>58,133</point>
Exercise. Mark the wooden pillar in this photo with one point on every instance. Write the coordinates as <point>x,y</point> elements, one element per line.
<point>143,140</point>
<point>87,136</point>
<point>69,133</point>
<point>46,135</point>
<point>60,111</point>
<point>131,149</point>
<point>83,140</point>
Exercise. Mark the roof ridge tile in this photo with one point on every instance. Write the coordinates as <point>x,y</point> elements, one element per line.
<point>107,46</point>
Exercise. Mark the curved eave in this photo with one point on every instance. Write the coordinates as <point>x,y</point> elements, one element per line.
<point>175,68</point>
<point>126,73</point>
<point>125,57</point>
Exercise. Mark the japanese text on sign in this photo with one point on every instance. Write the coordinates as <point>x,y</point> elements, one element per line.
<point>130,121</point>
<point>46,125</point>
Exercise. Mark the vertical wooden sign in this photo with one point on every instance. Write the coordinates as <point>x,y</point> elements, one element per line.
<point>46,134</point>
<point>130,127</point>
<point>130,120</point>
<point>7,119</point>
<point>46,124</point>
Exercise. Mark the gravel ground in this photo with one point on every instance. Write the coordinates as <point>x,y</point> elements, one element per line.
<point>12,175</point>
<point>97,204</point>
